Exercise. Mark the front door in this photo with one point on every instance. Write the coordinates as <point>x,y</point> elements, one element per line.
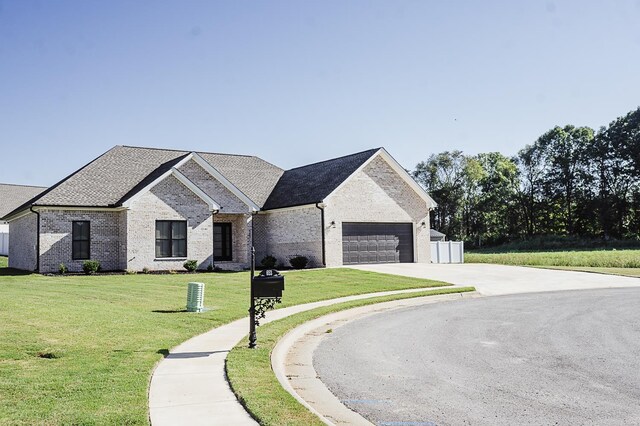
<point>222,241</point>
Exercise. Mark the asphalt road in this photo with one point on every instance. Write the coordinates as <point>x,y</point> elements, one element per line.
<point>563,358</point>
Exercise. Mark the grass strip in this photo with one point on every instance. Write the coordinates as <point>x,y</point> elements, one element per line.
<point>578,258</point>
<point>252,379</point>
<point>624,272</point>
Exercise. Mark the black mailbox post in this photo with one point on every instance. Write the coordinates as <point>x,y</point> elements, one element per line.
<point>266,291</point>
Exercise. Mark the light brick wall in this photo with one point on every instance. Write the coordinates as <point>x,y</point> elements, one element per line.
<point>56,239</point>
<point>287,233</point>
<point>228,202</point>
<point>168,200</point>
<point>22,242</point>
<point>376,194</point>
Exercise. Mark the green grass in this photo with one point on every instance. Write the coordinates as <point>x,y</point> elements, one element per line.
<point>627,272</point>
<point>253,381</point>
<point>105,333</point>
<point>578,258</point>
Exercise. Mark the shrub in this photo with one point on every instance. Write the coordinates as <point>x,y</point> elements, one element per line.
<point>145,270</point>
<point>299,262</point>
<point>63,269</point>
<point>190,265</point>
<point>210,267</point>
<point>131,272</point>
<point>269,262</point>
<point>90,266</point>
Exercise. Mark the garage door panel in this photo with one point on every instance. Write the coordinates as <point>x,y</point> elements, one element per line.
<point>377,242</point>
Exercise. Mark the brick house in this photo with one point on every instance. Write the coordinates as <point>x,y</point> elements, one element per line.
<point>134,208</point>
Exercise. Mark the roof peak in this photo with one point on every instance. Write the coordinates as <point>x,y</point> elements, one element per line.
<point>187,151</point>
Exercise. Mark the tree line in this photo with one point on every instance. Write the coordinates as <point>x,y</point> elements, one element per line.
<point>572,181</point>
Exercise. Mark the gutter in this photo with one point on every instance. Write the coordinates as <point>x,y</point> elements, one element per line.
<point>37,239</point>
<point>324,262</point>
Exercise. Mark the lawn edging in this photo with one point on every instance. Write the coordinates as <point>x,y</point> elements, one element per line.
<point>250,373</point>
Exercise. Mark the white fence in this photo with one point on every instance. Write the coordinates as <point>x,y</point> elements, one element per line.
<point>4,244</point>
<point>447,252</point>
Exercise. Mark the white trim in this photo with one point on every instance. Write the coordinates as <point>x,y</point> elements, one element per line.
<point>18,215</point>
<point>398,169</point>
<point>224,181</point>
<point>182,179</point>
<point>195,189</point>
<point>79,208</point>
<point>286,209</point>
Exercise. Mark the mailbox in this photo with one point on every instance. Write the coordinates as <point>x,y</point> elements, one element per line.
<point>269,283</point>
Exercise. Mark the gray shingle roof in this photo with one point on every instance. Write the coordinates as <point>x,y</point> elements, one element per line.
<point>436,235</point>
<point>311,184</point>
<point>13,196</point>
<point>120,172</point>
<point>253,176</point>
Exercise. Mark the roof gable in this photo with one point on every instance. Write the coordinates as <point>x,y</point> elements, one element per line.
<point>313,183</point>
<point>401,172</point>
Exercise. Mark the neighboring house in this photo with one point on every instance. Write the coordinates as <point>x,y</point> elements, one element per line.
<point>12,196</point>
<point>437,236</point>
<point>134,208</point>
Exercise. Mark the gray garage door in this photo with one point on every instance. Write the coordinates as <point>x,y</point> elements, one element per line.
<point>377,243</point>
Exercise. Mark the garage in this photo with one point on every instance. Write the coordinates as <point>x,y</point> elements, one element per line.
<point>377,243</point>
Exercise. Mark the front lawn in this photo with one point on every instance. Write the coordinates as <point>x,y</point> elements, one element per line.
<point>578,258</point>
<point>80,349</point>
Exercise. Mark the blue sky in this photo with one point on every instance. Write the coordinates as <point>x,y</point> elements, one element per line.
<point>296,82</point>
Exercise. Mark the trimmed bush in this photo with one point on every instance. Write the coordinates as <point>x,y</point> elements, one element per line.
<point>269,262</point>
<point>90,266</point>
<point>299,262</point>
<point>190,265</point>
<point>63,269</point>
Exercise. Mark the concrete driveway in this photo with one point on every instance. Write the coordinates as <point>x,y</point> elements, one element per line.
<point>492,280</point>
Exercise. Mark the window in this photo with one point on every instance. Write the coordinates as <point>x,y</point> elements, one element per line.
<point>171,238</point>
<point>81,240</point>
<point>222,241</point>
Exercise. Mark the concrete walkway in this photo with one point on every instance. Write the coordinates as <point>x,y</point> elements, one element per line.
<point>190,387</point>
<point>493,280</point>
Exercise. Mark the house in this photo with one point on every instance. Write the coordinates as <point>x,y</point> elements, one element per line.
<point>13,196</point>
<point>134,208</point>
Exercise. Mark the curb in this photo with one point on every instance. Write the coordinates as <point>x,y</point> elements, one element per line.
<point>292,357</point>
<point>189,386</point>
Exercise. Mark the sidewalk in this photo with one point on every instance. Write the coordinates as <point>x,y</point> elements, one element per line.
<point>190,387</point>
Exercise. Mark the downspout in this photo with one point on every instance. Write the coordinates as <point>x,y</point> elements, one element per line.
<point>37,239</point>
<point>213,244</point>
<point>324,262</point>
